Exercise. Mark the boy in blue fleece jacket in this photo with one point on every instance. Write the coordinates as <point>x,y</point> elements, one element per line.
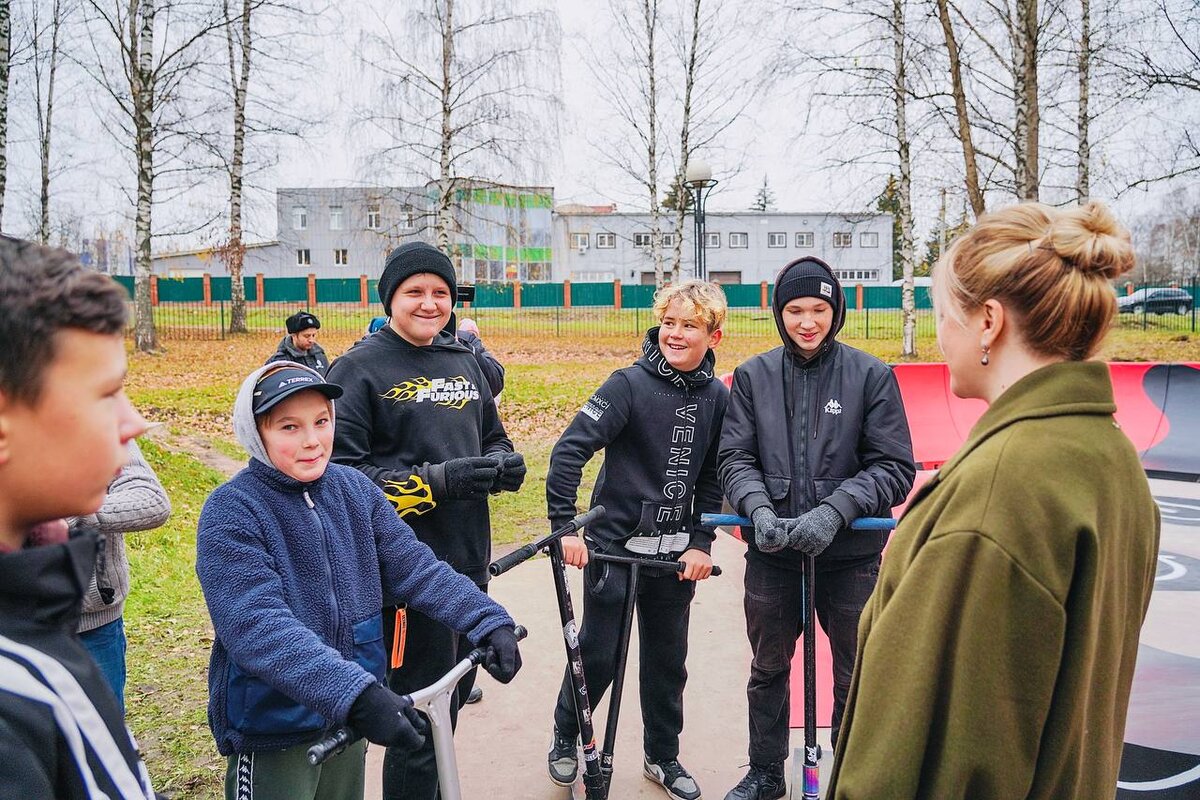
<point>296,556</point>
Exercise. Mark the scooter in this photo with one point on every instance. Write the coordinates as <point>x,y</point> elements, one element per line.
<point>598,766</point>
<point>812,752</point>
<point>434,700</point>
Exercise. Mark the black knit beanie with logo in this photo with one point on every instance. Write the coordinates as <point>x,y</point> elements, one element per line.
<point>411,259</point>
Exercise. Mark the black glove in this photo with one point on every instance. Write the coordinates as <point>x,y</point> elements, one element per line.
<point>384,717</point>
<point>465,478</point>
<point>511,472</point>
<point>811,533</point>
<point>503,659</point>
<point>770,532</point>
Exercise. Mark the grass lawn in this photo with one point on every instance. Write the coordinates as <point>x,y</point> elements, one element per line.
<point>190,387</point>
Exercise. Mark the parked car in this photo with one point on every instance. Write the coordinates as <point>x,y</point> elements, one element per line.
<point>1156,301</point>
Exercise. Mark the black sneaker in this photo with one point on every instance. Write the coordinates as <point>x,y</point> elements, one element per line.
<point>475,695</point>
<point>760,783</point>
<point>563,759</point>
<point>671,775</point>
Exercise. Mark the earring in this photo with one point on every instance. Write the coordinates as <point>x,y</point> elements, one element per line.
<point>985,359</point>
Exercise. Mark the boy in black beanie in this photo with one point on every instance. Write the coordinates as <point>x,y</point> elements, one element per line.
<point>814,438</point>
<point>417,417</point>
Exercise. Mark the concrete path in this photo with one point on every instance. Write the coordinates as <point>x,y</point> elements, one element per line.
<point>502,741</point>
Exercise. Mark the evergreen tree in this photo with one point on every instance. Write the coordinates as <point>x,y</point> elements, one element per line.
<point>764,199</point>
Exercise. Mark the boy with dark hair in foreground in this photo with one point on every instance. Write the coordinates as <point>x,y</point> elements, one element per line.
<point>64,426</point>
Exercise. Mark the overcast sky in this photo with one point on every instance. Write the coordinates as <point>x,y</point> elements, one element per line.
<point>777,137</point>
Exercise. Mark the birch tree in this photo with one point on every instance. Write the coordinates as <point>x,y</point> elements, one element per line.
<point>467,94</point>
<point>712,90</point>
<point>874,87</point>
<point>5,57</point>
<point>46,41</point>
<point>161,47</point>
<point>961,112</point>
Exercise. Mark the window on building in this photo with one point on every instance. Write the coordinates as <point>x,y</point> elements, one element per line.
<point>804,239</point>
<point>727,276</point>
<point>606,241</point>
<point>776,240</point>
<point>739,240</point>
<point>580,241</point>
<point>341,257</point>
<point>857,275</point>
<point>407,218</point>
<point>303,258</point>
<point>641,240</point>
<point>843,239</point>
<point>712,240</point>
<point>868,239</point>
<point>335,218</point>
<point>299,218</point>
<point>373,218</point>
<point>668,240</point>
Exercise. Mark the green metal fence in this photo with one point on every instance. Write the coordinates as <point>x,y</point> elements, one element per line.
<point>181,311</point>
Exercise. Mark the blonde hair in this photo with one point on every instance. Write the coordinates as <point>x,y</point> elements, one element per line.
<point>1050,266</point>
<point>707,301</point>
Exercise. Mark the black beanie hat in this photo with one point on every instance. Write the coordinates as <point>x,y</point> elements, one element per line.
<point>411,259</point>
<point>301,321</point>
<point>809,277</point>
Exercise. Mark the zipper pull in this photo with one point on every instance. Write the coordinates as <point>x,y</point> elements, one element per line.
<point>308,500</point>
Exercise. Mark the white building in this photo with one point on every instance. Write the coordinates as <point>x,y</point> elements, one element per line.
<point>503,234</point>
<point>600,244</point>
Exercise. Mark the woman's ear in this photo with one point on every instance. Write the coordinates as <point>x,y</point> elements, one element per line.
<point>992,318</point>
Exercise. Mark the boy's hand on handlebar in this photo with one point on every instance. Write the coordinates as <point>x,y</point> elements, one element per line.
<point>770,532</point>
<point>386,718</point>
<point>811,532</point>
<point>503,660</point>
<point>697,565</point>
<point>575,552</point>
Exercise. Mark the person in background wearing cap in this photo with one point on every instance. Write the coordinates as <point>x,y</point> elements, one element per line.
<point>418,419</point>
<point>300,344</point>
<point>845,452</point>
<point>295,556</point>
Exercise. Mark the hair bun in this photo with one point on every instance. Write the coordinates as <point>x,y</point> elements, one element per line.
<point>1090,239</point>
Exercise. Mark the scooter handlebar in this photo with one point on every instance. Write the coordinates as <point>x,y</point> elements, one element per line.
<point>860,524</point>
<point>521,554</point>
<point>330,746</point>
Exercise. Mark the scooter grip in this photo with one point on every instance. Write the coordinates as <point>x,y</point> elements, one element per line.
<point>588,517</point>
<point>505,563</point>
<point>330,746</point>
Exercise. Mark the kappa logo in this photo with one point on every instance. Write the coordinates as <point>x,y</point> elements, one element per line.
<point>453,392</point>
<point>833,407</point>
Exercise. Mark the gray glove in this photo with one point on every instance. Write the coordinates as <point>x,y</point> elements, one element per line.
<point>812,532</point>
<point>770,532</point>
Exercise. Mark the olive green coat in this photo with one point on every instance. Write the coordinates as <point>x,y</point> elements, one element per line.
<point>996,654</point>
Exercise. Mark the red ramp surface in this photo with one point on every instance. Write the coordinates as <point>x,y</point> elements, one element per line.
<point>1158,407</point>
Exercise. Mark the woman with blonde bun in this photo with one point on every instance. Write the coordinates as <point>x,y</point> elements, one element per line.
<point>996,654</point>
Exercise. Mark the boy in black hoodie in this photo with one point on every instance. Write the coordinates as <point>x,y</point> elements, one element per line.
<point>65,424</point>
<point>658,422</point>
<point>417,417</point>
<point>815,438</point>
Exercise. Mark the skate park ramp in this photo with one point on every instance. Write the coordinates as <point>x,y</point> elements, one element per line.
<point>1158,407</point>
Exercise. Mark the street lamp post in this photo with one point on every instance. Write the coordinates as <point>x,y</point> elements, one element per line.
<point>699,181</point>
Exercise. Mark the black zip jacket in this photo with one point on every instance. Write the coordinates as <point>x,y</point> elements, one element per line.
<point>313,358</point>
<point>830,429</point>
<point>406,411</point>
<point>659,429</point>
<point>55,740</point>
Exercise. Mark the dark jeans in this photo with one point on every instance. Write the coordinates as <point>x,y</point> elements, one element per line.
<point>107,646</point>
<point>663,609</point>
<point>774,623</point>
<point>431,650</point>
